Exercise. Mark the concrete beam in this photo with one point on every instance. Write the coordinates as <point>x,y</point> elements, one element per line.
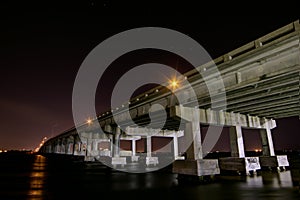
<point>144,132</point>
<point>207,116</point>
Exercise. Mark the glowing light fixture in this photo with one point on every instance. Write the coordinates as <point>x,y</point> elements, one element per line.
<point>89,121</point>
<point>173,83</point>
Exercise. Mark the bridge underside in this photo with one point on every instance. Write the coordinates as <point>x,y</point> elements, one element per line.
<point>260,83</point>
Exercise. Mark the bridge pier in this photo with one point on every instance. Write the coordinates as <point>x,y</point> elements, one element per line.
<point>46,148</point>
<point>96,139</point>
<point>267,141</point>
<point>149,159</point>
<point>103,147</point>
<point>77,146</point>
<point>89,147</point>
<point>63,146</point>
<point>116,159</point>
<point>111,147</point>
<point>269,160</point>
<point>134,157</point>
<point>116,142</point>
<point>86,142</point>
<point>176,147</point>
<point>49,149</point>
<point>58,146</point>
<point>236,142</point>
<point>238,162</point>
<point>194,164</point>
<point>69,145</point>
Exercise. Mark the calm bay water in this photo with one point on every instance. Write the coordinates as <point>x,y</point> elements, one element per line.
<point>27,176</point>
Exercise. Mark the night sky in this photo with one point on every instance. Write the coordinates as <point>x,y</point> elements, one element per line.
<point>43,45</point>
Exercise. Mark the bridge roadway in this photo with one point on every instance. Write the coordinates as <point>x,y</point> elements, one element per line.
<point>261,84</point>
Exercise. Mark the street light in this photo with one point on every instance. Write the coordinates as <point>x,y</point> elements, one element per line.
<point>88,121</point>
<point>173,83</point>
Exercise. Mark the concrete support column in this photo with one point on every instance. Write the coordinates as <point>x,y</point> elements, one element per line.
<point>69,145</point>
<point>56,147</point>
<point>109,129</point>
<point>75,145</point>
<point>175,144</point>
<point>149,159</point>
<point>198,153</point>
<point>79,147</point>
<point>89,146</point>
<point>76,148</point>
<point>45,149</point>
<point>83,146</point>
<point>95,145</point>
<point>237,142</point>
<point>116,159</point>
<point>133,147</point>
<point>111,145</point>
<point>149,143</point>
<point>52,147</point>
<point>267,141</point>
<point>194,164</point>
<point>134,157</point>
<point>194,152</point>
<point>69,148</point>
<point>116,142</point>
<point>65,146</point>
<point>59,146</point>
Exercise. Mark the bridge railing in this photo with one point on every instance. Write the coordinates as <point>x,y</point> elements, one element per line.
<point>269,39</point>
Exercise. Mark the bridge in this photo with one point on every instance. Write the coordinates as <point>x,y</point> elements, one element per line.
<point>261,84</point>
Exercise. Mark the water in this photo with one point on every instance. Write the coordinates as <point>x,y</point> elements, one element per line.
<point>24,176</point>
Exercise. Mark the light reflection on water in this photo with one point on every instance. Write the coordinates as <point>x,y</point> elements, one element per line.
<point>37,178</point>
<point>265,186</point>
<point>269,185</point>
<point>43,178</point>
<point>271,179</point>
<point>285,179</point>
